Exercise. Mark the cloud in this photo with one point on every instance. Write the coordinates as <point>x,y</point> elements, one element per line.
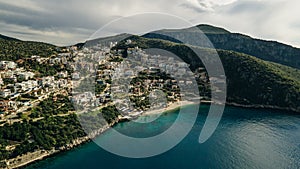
<point>205,5</point>
<point>58,19</point>
<point>264,19</point>
<point>69,22</point>
<point>247,6</point>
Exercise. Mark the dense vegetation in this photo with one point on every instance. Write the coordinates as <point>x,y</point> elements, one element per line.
<point>43,134</point>
<point>223,39</point>
<point>49,107</point>
<point>95,120</point>
<point>14,49</point>
<point>110,113</point>
<point>49,125</point>
<point>44,69</point>
<point>253,81</point>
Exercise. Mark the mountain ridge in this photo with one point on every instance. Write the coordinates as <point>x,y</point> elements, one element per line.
<point>222,39</point>
<point>8,38</point>
<point>14,49</point>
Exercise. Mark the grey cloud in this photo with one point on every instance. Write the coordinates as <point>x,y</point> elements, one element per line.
<point>75,17</point>
<point>193,7</point>
<point>16,9</point>
<point>67,22</point>
<point>21,33</point>
<point>41,20</point>
<point>246,6</point>
<point>70,16</point>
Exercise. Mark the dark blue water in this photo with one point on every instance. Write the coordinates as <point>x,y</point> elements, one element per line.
<point>245,138</point>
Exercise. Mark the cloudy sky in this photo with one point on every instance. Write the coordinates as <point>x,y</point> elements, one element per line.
<point>68,22</point>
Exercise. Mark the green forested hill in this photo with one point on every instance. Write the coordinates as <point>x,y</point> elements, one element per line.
<point>223,39</point>
<point>251,81</point>
<point>14,49</point>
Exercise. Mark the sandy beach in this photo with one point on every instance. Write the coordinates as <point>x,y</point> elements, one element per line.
<point>170,107</point>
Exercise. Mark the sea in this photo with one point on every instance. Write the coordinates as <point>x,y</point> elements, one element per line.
<point>244,139</point>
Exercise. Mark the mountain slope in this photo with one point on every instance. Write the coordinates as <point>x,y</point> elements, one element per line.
<point>14,49</point>
<point>8,38</point>
<point>223,39</point>
<point>251,81</point>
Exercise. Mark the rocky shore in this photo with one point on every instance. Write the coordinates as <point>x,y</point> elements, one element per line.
<point>31,157</point>
<point>26,159</point>
<point>256,106</point>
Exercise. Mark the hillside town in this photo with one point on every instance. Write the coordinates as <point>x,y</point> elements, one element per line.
<point>127,82</point>
<point>22,88</point>
<point>97,81</point>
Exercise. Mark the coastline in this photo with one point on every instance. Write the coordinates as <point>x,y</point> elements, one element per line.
<point>43,154</point>
<point>170,107</point>
<point>21,162</point>
<point>32,157</point>
<point>257,106</point>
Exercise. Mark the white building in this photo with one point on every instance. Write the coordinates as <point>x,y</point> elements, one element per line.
<point>76,76</point>
<point>7,65</point>
<point>26,86</point>
<point>5,93</point>
<point>62,83</point>
<point>25,75</point>
<point>35,57</point>
<point>182,64</point>
<point>128,72</point>
<point>63,74</point>
<point>55,61</point>
<point>47,81</point>
<point>181,71</point>
<point>11,65</point>
<point>169,68</point>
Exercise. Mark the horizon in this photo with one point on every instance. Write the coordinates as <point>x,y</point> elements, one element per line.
<point>204,24</point>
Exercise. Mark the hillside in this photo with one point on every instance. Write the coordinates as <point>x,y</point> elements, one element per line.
<point>251,81</point>
<point>14,49</point>
<point>223,39</point>
<point>8,38</point>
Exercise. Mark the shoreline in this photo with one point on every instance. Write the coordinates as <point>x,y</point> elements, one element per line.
<point>43,154</point>
<point>82,140</point>
<point>256,106</point>
<point>177,105</point>
<point>171,107</point>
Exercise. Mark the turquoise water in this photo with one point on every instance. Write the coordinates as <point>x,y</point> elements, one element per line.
<point>245,138</point>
